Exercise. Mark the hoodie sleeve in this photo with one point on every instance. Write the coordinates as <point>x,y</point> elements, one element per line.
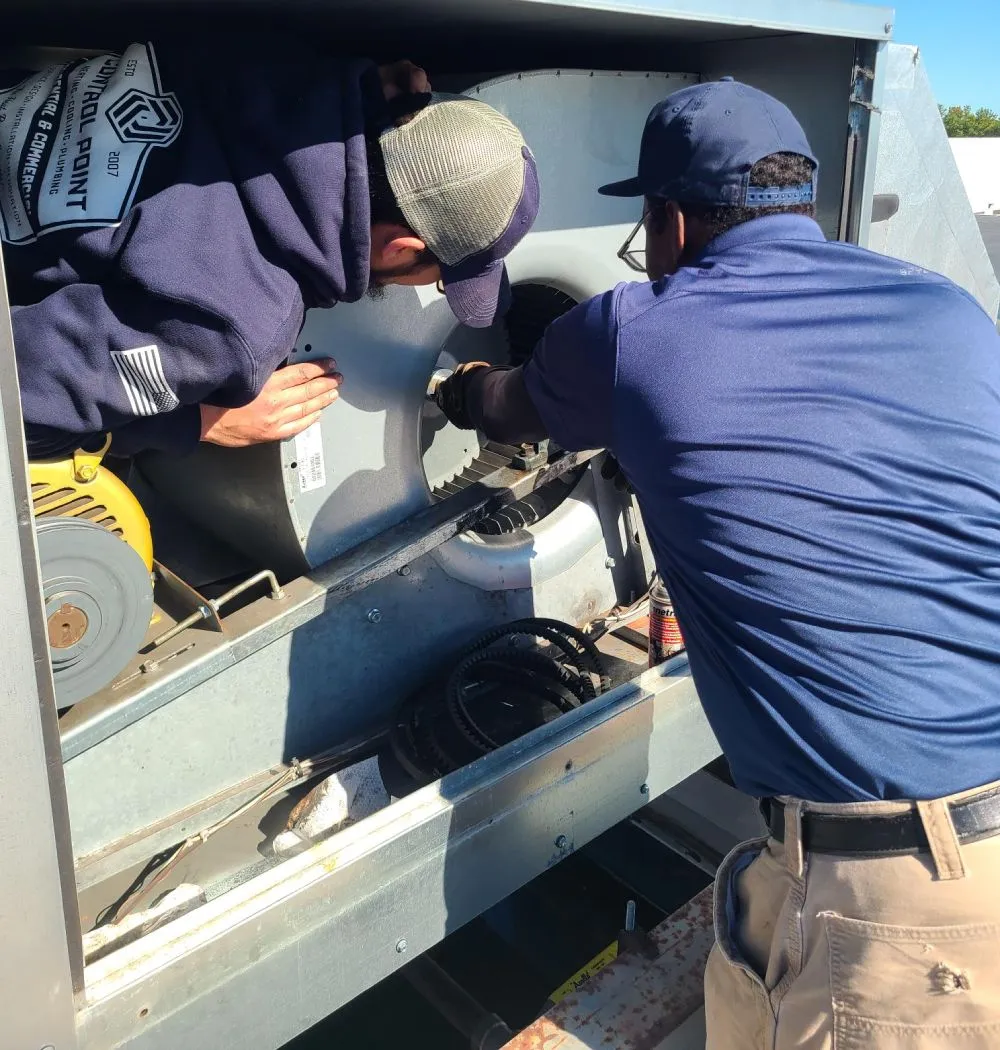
<point>93,359</point>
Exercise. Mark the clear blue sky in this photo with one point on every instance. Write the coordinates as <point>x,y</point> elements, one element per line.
<point>960,41</point>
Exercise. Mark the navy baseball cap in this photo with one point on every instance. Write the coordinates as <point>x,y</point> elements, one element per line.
<point>700,143</point>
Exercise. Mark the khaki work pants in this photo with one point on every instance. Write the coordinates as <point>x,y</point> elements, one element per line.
<point>821,952</point>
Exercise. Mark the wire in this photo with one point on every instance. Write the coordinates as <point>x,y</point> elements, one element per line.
<point>161,865</point>
<point>618,618</point>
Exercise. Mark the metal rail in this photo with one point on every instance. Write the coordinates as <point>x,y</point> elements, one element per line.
<point>41,966</point>
<point>257,965</point>
<point>94,720</point>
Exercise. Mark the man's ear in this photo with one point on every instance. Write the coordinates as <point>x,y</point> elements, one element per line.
<point>673,222</point>
<point>394,245</point>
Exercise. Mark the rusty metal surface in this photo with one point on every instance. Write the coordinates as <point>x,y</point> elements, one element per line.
<point>66,626</point>
<point>634,1003</point>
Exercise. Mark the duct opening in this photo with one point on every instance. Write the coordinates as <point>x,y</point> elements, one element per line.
<point>453,459</point>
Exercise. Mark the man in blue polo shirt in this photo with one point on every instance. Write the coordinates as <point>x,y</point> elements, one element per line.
<point>813,434</point>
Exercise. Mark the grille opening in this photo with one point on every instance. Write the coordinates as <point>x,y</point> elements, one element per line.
<point>47,497</point>
<point>55,504</point>
<point>453,459</point>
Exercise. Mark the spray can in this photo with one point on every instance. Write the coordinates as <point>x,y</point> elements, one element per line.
<point>665,637</point>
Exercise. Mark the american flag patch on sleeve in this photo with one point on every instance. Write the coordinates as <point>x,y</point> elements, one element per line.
<point>146,387</point>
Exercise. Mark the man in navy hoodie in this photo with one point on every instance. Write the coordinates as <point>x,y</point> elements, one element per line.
<point>169,213</point>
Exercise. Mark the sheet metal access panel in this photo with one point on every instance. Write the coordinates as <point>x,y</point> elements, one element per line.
<point>263,962</point>
<point>695,19</point>
<point>40,964</point>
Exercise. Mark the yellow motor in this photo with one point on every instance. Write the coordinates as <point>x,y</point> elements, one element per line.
<point>96,555</point>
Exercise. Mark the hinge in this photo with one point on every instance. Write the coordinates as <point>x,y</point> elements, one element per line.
<point>860,74</point>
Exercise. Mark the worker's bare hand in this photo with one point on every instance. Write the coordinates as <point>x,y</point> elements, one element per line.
<point>403,78</point>
<point>291,400</point>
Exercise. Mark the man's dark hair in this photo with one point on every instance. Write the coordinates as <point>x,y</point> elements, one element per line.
<point>383,203</point>
<point>384,206</point>
<point>778,170</point>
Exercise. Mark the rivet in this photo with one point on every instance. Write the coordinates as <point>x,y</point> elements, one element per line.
<point>644,789</point>
<point>609,563</point>
<point>404,571</point>
<point>888,27</point>
<point>562,842</point>
<point>401,946</point>
<point>374,616</point>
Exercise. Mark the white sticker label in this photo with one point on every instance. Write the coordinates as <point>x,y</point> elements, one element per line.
<point>309,456</point>
<point>74,140</point>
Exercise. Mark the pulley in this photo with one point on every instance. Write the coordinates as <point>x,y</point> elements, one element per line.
<point>98,599</point>
<point>96,557</point>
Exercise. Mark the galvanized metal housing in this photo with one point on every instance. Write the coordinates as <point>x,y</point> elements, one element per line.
<point>188,738</point>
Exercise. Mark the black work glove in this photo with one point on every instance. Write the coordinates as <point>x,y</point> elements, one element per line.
<point>449,395</point>
<point>611,471</point>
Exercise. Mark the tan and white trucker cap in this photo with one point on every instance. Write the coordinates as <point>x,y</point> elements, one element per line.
<point>466,182</point>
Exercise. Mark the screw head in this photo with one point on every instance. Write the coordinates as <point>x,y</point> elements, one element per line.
<point>644,789</point>
<point>609,563</point>
<point>404,571</point>
<point>401,946</point>
<point>374,616</point>
<point>562,842</point>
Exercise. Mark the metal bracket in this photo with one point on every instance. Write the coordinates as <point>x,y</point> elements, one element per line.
<point>532,456</point>
<point>860,74</point>
<point>209,609</point>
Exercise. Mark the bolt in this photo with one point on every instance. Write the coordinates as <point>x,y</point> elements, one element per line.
<point>644,789</point>
<point>888,27</point>
<point>562,842</point>
<point>404,571</point>
<point>401,946</point>
<point>374,616</point>
<point>609,563</point>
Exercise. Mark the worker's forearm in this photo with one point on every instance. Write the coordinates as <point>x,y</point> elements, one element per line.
<point>498,404</point>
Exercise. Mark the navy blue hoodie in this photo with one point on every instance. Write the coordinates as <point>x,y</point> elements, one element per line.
<point>168,214</point>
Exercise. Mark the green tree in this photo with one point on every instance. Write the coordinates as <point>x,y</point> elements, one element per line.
<point>964,122</point>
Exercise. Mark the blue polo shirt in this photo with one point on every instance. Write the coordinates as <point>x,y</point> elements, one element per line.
<point>813,433</point>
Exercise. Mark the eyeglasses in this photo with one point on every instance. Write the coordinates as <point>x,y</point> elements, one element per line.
<point>634,258</point>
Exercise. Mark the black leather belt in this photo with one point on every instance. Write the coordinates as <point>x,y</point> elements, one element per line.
<point>977,817</point>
